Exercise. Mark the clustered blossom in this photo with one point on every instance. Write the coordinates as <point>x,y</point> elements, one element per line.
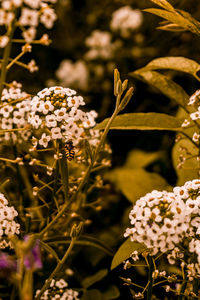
<point>125,20</point>
<point>161,220</point>
<point>31,14</point>
<point>7,224</point>
<point>56,111</point>
<point>73,74</point>
<point>194,102</point>
<point>14,114</point>
<point>59,290</point>
<point>101,45</point>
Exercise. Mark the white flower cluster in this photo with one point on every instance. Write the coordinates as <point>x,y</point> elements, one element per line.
<point>7,224</point>
<point>56,111</point>
<point>100,44</point>
<point>58,291</point>
<point>126,19</point>
<point>194,101</point>
<point>31,14</point>
<point>161,220</point>
<point>73,74</point>
<point>14,114</point>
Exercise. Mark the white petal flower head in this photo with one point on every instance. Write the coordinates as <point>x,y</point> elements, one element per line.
<point>14,116</point>
<point>195,98</point>
<point>125,19</point>
<point>4,39</point>
<point>155,219</point>
<point>181,192</point>
<point>8,225</point>
<point>44,140</point>
<point>29,17</point>
<point>29,34</point>
<point>56,133</point>
<point>195,115</point>
<point>46,107</point>
<point>36,121</point>
<point>6,110</point>
<point>51,120</point>
<point>61,114</point>
<point>48,17</point>
<point>56,108</point>
<point>61,283</point>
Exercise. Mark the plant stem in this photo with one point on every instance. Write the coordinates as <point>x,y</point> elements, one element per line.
<point>84,180</point>
<point>57,269</point>
<point>150,278</point>
<point>54,189</point>
<point>6,56</point>
<point>64,174</point>
<point>14,60</point>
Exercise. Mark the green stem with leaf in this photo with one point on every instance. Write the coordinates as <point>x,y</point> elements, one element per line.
<point>85,178</point>
<point>57,269</point>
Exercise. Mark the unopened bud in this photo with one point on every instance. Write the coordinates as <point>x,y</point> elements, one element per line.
<point>76,230</point>
<point>124,85</point>
<point>126,98</point>
<point>119,87</point>
<point>116,78</point>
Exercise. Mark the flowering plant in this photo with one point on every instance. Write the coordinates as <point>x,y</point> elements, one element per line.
<point>60,204</point>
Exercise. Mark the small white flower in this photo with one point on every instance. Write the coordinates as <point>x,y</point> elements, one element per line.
<point>32,66</point>
<point>48,17</point>
<point>6,123</point>
<point>186,123</point>
<point>18,118</point>
<point>56,133</point>
<point>29,17</point>
<point>36,121</point>
<point>6,110</point>
<point>46,107</point>
<point>195,115</point>
<point>61,283</point>
<point>125,19</point>
<point>194,98</point>
<point>4,39</point>
<point>61,114</point>
<point>51,120</point>
<point>44,140</point>
<point>29,34</point>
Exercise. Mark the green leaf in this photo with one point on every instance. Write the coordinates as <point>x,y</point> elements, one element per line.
<point>111,293</point>
<point>143,121</point>
<point>84,240</point>
<point>88,281</point>
<point>140,159</point>
<point>175,18</point>
<point>165,85</point>
<point>185,148</point>
<point>124,252</point>
<point>193,21</point>
<point>177,63</point>
<point>188,171</point>
<point>164,4</point>
<point>92,294</point>
<point>165,25</point>
<point>135,183</point>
